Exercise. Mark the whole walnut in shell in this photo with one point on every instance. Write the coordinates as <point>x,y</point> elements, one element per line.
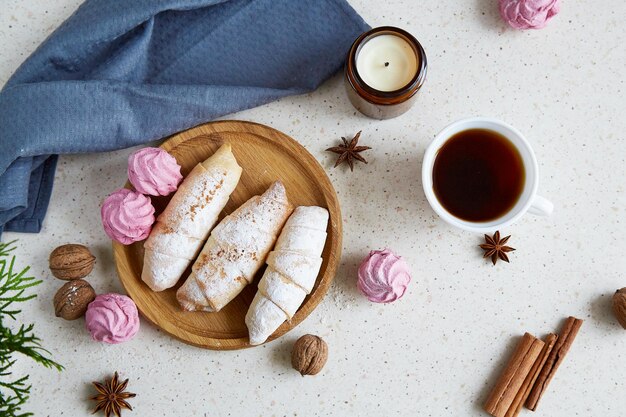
<point>71,262</point>
<point>72,299</point>
<point>619,306</point>
<point>309,355</point>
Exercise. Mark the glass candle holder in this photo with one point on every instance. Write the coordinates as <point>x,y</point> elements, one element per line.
<point>384,70</point>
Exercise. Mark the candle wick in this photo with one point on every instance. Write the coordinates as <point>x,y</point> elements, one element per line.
<point>386,64</point>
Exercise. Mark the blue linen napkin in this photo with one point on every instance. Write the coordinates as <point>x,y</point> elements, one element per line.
<point>122,73</point>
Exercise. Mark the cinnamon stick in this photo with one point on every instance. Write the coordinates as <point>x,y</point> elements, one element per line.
<point>524,391</point>
<point>514,375</point>
<point>566,338</point>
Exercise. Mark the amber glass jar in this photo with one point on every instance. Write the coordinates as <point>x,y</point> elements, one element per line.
<point>379,104</point>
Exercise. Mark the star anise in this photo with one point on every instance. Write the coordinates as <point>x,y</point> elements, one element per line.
<point>495,247</point>
<point>349,151</point>
<point>112,397</point>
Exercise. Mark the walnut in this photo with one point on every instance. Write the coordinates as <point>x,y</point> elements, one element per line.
<point>72,299</point>
<point>619,306</point>
<point>309,355</point>
<point>71,262</point>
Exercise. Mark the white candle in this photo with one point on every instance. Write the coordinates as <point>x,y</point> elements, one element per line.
<point>386,63</point>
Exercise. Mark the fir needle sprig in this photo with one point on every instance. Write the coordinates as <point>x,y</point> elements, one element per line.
<point>14,391</point>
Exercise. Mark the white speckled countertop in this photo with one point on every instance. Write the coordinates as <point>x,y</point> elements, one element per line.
<point>437,351</point>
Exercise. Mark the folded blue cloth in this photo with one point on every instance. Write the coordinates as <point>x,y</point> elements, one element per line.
<point>122,73</point>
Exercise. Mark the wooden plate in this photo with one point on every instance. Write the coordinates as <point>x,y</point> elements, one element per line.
<point>265,155</point>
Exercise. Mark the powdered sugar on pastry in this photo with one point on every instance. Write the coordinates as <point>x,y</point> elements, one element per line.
<point>235,251</point>
<point>185,223</point>
<point>292,270</point>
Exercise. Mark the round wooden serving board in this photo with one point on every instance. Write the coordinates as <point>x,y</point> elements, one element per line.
<point>266,155</point>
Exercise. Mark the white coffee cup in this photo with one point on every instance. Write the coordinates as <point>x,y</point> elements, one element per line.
<point>528,200</point>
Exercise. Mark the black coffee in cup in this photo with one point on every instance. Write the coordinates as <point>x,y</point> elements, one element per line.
<point>478,175</point>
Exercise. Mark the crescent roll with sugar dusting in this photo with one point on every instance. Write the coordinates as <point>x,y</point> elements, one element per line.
<point>184,225</point>
<point>292,269</point>
<point>235,251</point>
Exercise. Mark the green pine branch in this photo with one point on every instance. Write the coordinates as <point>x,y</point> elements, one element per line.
<point>14,391</point>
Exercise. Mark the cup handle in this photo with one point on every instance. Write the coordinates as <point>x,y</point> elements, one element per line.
<point>541,206</point>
